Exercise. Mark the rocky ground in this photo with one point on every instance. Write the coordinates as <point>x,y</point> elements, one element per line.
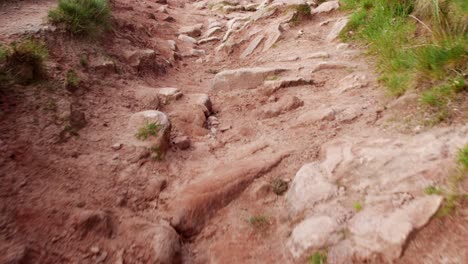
<point>276,141</point>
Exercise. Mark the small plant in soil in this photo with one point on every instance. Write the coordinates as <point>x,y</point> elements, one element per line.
<point>51,105</point>
<point>258,221</point>
<point>156,153</point>
<point>84,61</point>
<point>463,158</point>
<point>318,258</point>
<point>301,12</point>
<point>431,190</point>
<point>357,206</point>
<point>73,81</point>
<point>82,17</point>
<point>453,197</point>
<point>149,129</point>
<point>279,186</point>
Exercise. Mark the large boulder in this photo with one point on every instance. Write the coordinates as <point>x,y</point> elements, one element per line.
<point>149,129</point>
<point>244,78</point>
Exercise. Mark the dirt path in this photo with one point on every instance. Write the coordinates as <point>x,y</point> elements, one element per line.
<point>290,106</point>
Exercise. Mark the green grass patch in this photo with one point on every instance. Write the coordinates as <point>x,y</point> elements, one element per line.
<point>357,206</point>
<point>156,153</point>
<point>82,17</point>
<point>411,40</point>
<point>462,157</point>
<point>453,197</point>
<point>301,12</point>
<point>149,129</point>
<point>431,190</point>
<point>318,258</point>
<point>72,81</point>
<point>258,221</point>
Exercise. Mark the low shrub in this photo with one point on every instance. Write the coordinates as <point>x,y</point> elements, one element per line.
<point>82,17</point>
<point>24,60</point>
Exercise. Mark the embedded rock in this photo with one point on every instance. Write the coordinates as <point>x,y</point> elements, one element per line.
<point>141,120</point>
<point>244,78</point>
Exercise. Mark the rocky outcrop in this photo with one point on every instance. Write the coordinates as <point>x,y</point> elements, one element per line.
<point>200,200</point>
<point>389,188</point>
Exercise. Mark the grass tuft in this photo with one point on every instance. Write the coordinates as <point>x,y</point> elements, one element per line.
<point>318,258</point>
<point>462,158</point>
<point>24,60</point>
<point>82,17</point>
<point>72,81</point>
<point>258,221</point>
<point>431,190</point>
<point>149,129</point>
<point>357,206</point>
<point>279,186</point>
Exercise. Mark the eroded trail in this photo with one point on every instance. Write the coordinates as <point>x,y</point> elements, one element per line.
<point>265,98</point>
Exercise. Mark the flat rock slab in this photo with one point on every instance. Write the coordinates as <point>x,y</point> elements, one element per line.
<point>252,46</point>
<point>337,28</point>
<point>170,93</point>
<point>274,34</point>
<point>187,39</point>
<point>192,31</point>
<point>244,78</point>
<point>285,104</point>
<point>326,7</point>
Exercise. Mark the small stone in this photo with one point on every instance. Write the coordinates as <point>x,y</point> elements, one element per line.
<point>197,52</point>
<point>162,9</point>
<point>181,142</point>
<point>117,146</point>
<point>169,19</point>
<point>342,46</point>
<point>225,128</point>
<point>172,45</point>
<point>213,121</point>
<point>94,249</point>
<point>187,39</point>
<point>192,31</point>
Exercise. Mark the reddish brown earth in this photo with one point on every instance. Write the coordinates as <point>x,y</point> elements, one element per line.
<point>71,198</point>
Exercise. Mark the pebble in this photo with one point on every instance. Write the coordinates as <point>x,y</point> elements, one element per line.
<point>117,146</point>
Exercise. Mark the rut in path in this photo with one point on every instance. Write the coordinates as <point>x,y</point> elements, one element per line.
<point>262,99</point>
